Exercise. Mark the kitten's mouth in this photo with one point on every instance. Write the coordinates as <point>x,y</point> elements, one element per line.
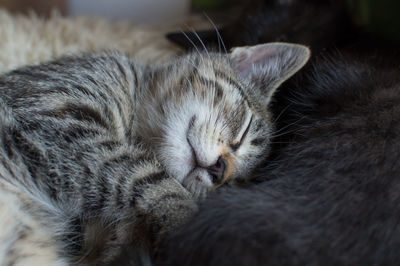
<point>216,174</point>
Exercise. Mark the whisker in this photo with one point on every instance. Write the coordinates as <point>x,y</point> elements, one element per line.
<point>285,127</point>
<point>190,40</point>
<point>201,41</point>
<point>220,40</point>
<point>284,109</point>
<point>190,62</point>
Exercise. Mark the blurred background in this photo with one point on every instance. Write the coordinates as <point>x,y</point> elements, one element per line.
<point>380,16</point>
<point>138,11</point>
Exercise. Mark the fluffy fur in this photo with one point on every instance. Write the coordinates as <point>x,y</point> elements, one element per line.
<point>96,148</point>
<point>331,196</point>
<point>30,39</point>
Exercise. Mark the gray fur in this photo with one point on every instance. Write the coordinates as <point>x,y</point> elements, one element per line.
<point>96,147</point>
<point>332,195</point>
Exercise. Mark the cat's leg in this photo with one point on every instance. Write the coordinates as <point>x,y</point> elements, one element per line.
<point>128,203</point>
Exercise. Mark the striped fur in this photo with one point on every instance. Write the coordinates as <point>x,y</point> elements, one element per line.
<point>95,149</point>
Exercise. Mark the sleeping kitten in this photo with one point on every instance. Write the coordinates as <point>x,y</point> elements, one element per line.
<point>332,194</point>
<point>96,148</point>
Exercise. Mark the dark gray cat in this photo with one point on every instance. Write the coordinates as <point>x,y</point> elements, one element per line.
<point>331,196</point>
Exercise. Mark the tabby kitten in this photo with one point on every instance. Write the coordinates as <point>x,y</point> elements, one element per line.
<point>96,148</point>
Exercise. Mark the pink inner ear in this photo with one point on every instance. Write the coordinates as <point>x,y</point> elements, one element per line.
<point>257,54</point>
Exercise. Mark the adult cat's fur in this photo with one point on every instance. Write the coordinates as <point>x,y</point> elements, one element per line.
<point>94,149</point>
<point>331,197</point>
<point>316,23</point>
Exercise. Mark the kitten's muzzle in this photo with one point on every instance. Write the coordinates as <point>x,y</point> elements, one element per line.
<point>217,171</point>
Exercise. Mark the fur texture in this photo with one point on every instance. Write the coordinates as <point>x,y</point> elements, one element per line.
<point>96,148</point>
<point>330,197</point>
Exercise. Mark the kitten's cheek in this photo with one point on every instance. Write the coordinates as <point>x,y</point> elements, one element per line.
<point>198,182</point>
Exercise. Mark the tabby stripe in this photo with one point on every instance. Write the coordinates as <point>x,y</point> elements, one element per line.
<point>74,132</point>
<point>8,167</point>
<point>229,80</point>
<point>115,97</point>
<point>90,192</point>
<point>119,195</point>
<point>120,68</point>
<point>118,103</point>
<point>31,75</point>
<point>214,84</point>
<point>140,185</point>
<point>84,112</point>
<point>109,144</point>
<point>29,126</point>
<point>118,160</point>
<point>74,236</point>
<point>34,94</point>
<point>6,143</point>
<point>80,112</point>
<point>104,192</point>
<point>130,130</point>
<point>89,196</point>
<point>239,115</point>
<point>135,75</point>
<point>84,90</point>
<point>99,91</point>
<point>124,158</point>
<point>53,185</point>
<point>29,152</point>
<point>194,72</point>
<point>92,80</point>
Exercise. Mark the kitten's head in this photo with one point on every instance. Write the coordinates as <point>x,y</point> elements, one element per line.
<point>209,112</point>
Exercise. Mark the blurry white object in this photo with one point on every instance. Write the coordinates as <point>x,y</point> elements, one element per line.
<point>138,11</point>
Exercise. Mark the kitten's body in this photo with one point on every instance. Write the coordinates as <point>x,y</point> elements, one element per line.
<point>330,197</point>
<point>95,149</point>
<point>74,142</point>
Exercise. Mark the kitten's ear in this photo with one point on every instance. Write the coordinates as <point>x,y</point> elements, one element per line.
<point>267,66</point>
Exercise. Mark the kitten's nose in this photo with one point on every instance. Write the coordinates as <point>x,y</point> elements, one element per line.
<point>217,170</point>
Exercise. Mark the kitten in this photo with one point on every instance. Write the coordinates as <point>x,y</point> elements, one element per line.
<point>330,197</point>
<point>96,148</point>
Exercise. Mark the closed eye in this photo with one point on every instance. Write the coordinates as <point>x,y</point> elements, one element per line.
<point>235,146</point>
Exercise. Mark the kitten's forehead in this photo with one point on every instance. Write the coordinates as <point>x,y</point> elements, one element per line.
<point>209,64</point>
<point>217,81</point>
<point>214,71</point>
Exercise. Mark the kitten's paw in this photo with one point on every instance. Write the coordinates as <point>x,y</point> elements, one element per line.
<point>198,183</point>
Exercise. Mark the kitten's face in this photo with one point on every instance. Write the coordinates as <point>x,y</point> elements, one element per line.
<point>211,133</point>
<point>215,124</point>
